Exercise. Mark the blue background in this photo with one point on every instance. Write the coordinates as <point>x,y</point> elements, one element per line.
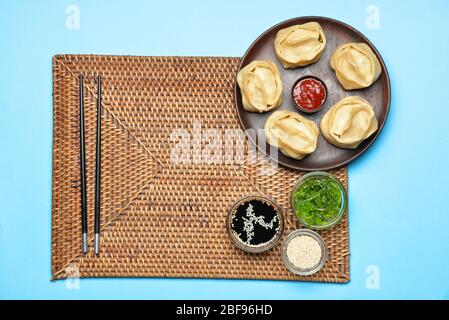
<point>399,194</point>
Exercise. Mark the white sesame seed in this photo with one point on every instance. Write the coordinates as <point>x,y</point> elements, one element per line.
<point>304,252</point>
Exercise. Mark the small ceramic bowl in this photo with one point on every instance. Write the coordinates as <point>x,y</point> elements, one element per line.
<point>293,268</point>
<point>301,108</point>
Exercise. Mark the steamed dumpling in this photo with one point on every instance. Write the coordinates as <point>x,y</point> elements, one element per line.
<point>300,45</point>
<point>261,86</point>
<point>355,65</point>
<point>349,122</point>
<point>291,133</point>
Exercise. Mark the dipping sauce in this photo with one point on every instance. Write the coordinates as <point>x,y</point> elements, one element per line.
<point>255,224</point>
<point>309,94</point>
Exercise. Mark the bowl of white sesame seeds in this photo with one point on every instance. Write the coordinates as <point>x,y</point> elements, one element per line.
<point>304,252</point>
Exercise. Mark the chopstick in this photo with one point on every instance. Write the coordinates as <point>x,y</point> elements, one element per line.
<point>83,169</point>
<point>98,172</point>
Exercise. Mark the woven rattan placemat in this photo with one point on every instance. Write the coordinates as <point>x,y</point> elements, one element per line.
<point>160,218</point>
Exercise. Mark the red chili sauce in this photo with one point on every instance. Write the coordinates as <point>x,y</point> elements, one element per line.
<point>309,94</point>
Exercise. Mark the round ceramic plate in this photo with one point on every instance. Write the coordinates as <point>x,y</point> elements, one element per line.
<point>326,156</point>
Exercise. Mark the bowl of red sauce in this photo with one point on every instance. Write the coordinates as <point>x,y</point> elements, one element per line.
<point>309,94</point>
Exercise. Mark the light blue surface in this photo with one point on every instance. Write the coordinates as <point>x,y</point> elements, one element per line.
<point>399,194</point>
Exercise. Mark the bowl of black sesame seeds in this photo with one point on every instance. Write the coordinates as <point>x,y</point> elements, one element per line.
<point>255,223</point>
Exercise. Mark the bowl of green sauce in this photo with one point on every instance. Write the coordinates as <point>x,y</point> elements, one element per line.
<point>318,200</point>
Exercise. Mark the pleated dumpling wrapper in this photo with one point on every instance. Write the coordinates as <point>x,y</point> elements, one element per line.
<point>355,65</point>
<point>291,133</point>
<point>349,122</point>
<point>300,45</point>
<point>261,86</point>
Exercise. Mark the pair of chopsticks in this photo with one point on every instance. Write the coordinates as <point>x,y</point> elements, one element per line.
<point>97,171</point>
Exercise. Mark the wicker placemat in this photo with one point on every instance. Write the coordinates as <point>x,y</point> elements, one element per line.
<point>159,218</point>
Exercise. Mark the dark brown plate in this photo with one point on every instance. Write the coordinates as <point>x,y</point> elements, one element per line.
<point>326,156</point>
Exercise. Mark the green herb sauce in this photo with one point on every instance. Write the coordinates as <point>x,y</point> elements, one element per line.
<point>318,201</point>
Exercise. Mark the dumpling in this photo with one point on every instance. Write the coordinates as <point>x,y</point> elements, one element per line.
<point>291,133</point>
<point>355,65</point>
<point>300,45</point>
<point>261,86</point>
<point>349,122</point>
